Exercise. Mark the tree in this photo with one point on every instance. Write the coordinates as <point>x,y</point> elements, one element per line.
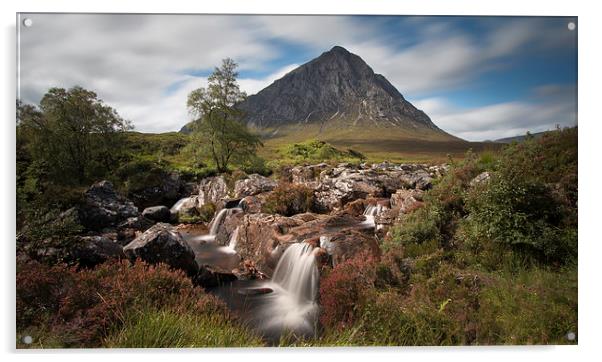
<point>219,129</point>
<point>72,133</point>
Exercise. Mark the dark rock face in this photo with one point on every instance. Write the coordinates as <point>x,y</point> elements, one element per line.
<point>336,85</point>
<point>162,243</point>
<point>104,207</point>
<point>165,190</point>
<point>89,251</point>
<point>129,229</point>
<point>157,213</point>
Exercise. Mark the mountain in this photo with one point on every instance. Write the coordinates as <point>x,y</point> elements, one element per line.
<point>336,86</point>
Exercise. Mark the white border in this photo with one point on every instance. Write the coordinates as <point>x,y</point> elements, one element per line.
<point>589,133</point>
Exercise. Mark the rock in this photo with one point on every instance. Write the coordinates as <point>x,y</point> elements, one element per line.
<point>481,178</point>
<point>157,213</point>
<point>162,243</point>
<point>342,185</point>
<point>162,188</point>
<point>405,199</point>
<point>103,207</point>
<point>348,243</point>
<point>253,204</point>
<point>212,189</point>
<point>129,229</point>
<point>252,185</point>
<point>210,276</point>
<point>307,175</point>
<point>89,251</point>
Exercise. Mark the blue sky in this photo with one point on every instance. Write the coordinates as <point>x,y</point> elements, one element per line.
<point>476,77</point>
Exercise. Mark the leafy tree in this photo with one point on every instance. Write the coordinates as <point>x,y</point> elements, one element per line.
<point>219,130</point>
<point>72,134</point>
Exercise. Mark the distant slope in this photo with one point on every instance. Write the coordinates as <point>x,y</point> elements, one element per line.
<point>520,138</point>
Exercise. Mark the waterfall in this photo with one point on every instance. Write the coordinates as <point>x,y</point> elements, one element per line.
<point>231,248</point>
<point>292,306</point>
<point>297,273</point>
<point>217,222</point>
<point>178,205</point>
<point>370,213</point>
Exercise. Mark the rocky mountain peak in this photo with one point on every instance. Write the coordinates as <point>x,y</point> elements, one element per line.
<point>337,87</point>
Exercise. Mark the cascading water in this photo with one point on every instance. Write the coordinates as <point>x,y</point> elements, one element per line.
<point>370,213</point>
<point>217,221</point>
<point>291,307</point>
<point>178,205</point>
<point>231,248</point>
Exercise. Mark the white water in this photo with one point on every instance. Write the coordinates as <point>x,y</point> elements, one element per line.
<point>178,205</point>
<point>292,304</point>
<point>231,248</point>
<point>217,221</point>
<point>370,213</point>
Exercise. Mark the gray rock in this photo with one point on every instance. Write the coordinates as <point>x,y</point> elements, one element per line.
<point>89,251</point>
<point>103,207</point>
<point>252,185</point>
<point>162,243</point>
<point>157,213</point>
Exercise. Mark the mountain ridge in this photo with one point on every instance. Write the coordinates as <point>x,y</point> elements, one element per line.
<point>337,85</point>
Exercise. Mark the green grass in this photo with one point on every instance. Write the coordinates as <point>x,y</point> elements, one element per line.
<point>170,329</point>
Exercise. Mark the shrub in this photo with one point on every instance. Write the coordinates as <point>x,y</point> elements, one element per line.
<point>523,216</point>
<point>289,199</point>
<point>341,291</point>
<point>83,307</point>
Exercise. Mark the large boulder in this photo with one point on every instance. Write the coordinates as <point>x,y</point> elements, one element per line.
<point>160,188</point>
<point>89,251</point>
<point>131,228</point>
<point>157,213</point>
<point>252,185</point>
<point>162,243</point>
<point>212,189</point>
<point>342,184</point>
<point>348,243</point>
<point>103,207</point>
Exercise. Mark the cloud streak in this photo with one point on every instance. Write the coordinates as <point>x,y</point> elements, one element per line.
<point>145,65</point>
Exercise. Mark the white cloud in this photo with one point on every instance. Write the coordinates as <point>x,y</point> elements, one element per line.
<point>500,120</point>
<point>138,63</point>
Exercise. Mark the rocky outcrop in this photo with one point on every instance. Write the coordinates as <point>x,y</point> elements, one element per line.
<point>129,229</point>
<point>344,184</point>
<point>164,188</point>
<point>162,243</point>
<point>157,213</point>
<point>405,199</point>
<point>212,189</point>
<point>103,207</point>
<point>252,185</point>
<point>89,251</point>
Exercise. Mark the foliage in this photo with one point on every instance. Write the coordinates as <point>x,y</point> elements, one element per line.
<point>177,328</point>
<point>219,130</point>
<point>289,199</point>
<point>84,307</point>
<point>74,133</point>
<point>318,151</point>
<point>342,290</point>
